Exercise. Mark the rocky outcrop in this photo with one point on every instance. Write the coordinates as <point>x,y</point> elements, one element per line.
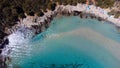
<point>2,36</point>
<point>39,24</point>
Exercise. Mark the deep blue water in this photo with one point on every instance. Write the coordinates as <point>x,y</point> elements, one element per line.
<point>69,43</point>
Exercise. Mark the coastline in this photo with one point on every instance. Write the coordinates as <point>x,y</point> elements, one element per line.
<point>39,24</point>
<point>81,10</point>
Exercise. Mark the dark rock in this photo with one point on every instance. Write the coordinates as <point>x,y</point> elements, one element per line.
<point>81,16</point>
<point>53,6</point>
<point>2,35</point>
<point>76,13</point>
<point>42,14</point>
<point>2,63</point>
<point>31,13</point>
<point>37,29</point>
<point>4,43</point>
<point>99,18</point>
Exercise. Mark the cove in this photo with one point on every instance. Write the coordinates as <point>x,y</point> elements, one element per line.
<point>72,42</point>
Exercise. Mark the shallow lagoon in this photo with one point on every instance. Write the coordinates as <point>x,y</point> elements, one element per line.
<point>72,42</point>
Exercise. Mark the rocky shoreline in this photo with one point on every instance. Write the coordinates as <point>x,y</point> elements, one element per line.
<point>44,21</point>
<point>65,12</point>
<point>39,24</point>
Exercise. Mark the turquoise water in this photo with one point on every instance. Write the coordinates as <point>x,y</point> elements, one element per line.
<point>72,42</point>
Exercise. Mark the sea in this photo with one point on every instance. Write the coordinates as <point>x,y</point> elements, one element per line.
<point>69,42</point>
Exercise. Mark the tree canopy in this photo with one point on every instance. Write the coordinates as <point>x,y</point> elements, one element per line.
<point>12,10</point>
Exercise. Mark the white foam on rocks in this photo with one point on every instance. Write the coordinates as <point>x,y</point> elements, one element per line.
<point>18,43</point>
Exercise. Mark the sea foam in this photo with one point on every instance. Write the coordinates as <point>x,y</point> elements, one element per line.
<point>18,43</point>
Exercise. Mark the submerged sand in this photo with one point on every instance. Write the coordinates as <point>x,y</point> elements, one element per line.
<point>107,43</point>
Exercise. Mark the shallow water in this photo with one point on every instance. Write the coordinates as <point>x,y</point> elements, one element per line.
<point>72,42</point>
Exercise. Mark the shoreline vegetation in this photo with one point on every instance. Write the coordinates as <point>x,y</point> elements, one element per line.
<point>37,15</point>
<point>15,10</point>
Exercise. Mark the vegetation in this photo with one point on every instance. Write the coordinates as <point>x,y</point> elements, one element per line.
<point>105,3</point>
<point>116,13</point>
<point>12,10</point>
